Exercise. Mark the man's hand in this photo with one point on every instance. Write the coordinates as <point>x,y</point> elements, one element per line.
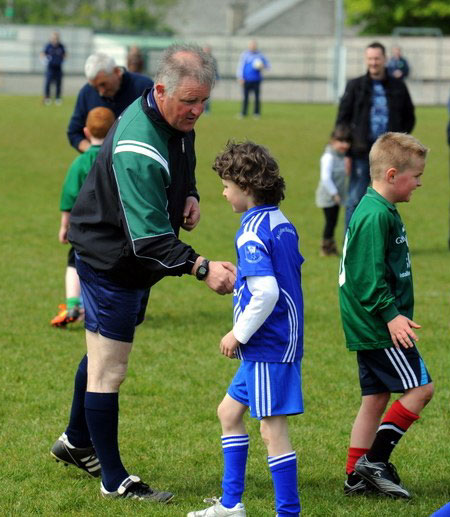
<point>221,277</point>
<point>228,345</point>
<point>401,331</point>
<point>191,214</point>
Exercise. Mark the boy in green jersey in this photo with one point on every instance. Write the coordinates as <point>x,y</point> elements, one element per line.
<point>98,123</point>
<point>376,301</point>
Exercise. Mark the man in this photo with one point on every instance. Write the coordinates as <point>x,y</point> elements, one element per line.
<point>54,54</point>
<point>249,74</point>
<point>124,228</point>
<point>108,85</point>
<point>372,104</point>
<point>398,66</point>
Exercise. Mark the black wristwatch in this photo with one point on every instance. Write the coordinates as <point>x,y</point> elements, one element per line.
<point>202,270</point>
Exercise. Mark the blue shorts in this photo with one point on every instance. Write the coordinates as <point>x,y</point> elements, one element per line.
<point>393,370</point>
<point>110,309</point>
<point>268,389</point>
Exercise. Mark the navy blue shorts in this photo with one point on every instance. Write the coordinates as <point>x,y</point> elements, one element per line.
<point>393,370</point>
<point>110,309</point>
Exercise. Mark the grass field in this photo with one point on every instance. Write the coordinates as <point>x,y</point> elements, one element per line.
<point>168,429</point>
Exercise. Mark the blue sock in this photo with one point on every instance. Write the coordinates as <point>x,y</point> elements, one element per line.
<point>235,450</point>
<point>77,431</point>
<point>102,415</point>
<point>284,476</point>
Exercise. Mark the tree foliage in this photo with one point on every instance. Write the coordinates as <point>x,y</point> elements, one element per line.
<point>382,16</point>
<point>109,15</point>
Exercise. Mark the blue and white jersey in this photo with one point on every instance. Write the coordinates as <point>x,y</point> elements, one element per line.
<point>267,245</point>
<point>250,66</point>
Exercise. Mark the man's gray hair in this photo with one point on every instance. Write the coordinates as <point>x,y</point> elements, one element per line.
<point>98,62</point>
<point>196,64</point>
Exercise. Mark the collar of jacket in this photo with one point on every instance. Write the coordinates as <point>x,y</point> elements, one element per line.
<point>387,79</point>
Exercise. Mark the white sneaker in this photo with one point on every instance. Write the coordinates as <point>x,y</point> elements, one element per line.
<point>218,510</point>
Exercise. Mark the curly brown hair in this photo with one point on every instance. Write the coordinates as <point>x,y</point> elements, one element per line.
<point>252,167</point>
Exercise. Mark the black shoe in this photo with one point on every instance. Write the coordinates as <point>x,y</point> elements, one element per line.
<point>84,458</point>
<point>356,485</point>
<point>132,487</point>
<point>383,476</point>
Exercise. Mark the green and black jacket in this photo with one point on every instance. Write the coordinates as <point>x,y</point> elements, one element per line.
<point>127,217</point>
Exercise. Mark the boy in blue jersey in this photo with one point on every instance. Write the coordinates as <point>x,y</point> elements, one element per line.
<point>267,334</point>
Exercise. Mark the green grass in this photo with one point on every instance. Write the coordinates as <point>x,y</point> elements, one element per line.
<point>168,429</point>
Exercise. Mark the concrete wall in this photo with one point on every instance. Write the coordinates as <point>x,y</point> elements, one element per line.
<point>301,67</point>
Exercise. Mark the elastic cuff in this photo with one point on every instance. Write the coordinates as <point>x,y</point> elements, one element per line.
<point>389,313</point>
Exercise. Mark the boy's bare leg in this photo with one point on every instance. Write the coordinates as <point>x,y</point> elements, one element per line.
<point>416,399</point>
<point>275,434</point>
<point>73,289</point>
<point>231,413</point>
<point>368,420</point>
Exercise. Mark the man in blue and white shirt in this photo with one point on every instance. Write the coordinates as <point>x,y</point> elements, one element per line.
<point>249,74</point>
<point>267,333</point>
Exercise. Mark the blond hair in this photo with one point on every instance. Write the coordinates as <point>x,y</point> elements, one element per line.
<point>397,150</point>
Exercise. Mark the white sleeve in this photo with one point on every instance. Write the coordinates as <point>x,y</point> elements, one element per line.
<point>265,294</point>
<point>326,169</point>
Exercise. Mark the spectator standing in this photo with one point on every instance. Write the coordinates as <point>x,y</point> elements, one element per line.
<point>372,104</point>
<point>108,85</point>
<point>398,66</point>
<point>124,227</point>
<point>54,54</point>
<point>135,60</point>
<point>249,74</point>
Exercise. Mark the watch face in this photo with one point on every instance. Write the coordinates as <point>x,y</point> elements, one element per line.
<point>201,271</point>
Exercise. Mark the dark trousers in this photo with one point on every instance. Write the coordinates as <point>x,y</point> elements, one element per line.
<point>53,76</point>
<point>357,187</point>
<point>251,86</point>
<point>331,216</point>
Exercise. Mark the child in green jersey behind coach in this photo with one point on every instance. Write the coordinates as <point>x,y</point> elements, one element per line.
<point>377,301</point>
<point>98,123</point>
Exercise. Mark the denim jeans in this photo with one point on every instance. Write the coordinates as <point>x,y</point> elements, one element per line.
<point>357,187</point>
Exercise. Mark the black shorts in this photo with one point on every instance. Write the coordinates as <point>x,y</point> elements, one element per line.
<point>71,257</point>
<point>393,370</point>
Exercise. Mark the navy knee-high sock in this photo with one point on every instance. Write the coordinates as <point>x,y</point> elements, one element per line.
<point>102,416</point>
<point>77,431</point>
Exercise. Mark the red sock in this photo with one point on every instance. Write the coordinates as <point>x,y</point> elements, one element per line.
<point>400,416</point>
<point>354,453</point>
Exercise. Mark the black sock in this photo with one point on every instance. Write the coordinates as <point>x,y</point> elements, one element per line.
<point>77,431</point>
<point>102,415</point>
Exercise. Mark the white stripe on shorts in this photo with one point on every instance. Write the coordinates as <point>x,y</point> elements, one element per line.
<point>402,367</point>
<point>263,400</point>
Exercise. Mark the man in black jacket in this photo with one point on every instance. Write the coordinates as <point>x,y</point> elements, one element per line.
<point>124,228</point>
<point>372,104</point>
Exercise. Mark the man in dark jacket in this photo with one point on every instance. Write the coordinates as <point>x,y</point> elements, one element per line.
<point>372,104</point>
<point>108,85</point>
<point>124,227</point>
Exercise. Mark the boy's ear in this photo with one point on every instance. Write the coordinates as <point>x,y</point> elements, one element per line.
<point>87,133</point>
<point>390,174</point>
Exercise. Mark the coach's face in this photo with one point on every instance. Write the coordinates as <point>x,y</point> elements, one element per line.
<point>376,62</point>
<point>183,108</point>
<point>107,85</point>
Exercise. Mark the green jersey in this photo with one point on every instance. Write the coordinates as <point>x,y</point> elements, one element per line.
<point>75,177</point>
<point>375,279</point>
